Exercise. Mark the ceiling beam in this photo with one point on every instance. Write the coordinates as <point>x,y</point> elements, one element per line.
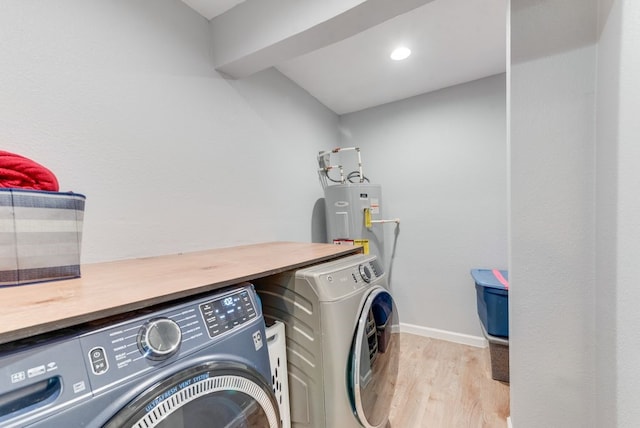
<point>258,34</point>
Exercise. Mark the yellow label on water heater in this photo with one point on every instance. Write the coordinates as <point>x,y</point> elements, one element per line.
<point>367,218</point>
<point>364,243</point>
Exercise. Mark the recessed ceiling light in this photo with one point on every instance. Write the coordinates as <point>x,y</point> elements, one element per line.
<point>400,53</point>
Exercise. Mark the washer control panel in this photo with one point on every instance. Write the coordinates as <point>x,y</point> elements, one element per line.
<point>222,315</point>
<point>141,343</point>
<point>351,273</point>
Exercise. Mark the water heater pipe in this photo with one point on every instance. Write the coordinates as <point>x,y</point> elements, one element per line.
<point>357,150</point>
<point>323,173</point>
<point>368,223</point>
<point>324,159</point>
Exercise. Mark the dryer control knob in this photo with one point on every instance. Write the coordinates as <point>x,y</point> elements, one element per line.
<point>365,273</point>
<point>159,338</point>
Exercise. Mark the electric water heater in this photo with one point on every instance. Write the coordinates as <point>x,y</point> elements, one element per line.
<point>351,210</point>
<point>352,204</point>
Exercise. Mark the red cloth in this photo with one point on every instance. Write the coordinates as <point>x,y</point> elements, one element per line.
<point>19,172</point>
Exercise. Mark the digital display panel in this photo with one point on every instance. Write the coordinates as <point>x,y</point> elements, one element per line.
<point>228,312</point>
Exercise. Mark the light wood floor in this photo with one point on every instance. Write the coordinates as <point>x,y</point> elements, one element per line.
<point>446,385</point>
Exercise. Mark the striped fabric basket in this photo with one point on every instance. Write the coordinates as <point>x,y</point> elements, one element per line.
<point>40,236</point>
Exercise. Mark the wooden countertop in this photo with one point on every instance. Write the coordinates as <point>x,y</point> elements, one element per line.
<point>112,288</point>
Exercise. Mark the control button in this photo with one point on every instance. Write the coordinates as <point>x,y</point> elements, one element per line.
<point>99,364</point>
<point>159,338</point>
<point>365,273</point>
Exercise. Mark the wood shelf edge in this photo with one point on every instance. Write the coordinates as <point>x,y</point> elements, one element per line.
<point>106,289</point>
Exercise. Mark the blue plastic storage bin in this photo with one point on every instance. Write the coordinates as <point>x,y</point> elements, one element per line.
<point>492,293</point>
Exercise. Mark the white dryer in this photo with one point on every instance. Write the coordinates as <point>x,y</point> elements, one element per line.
<point>342,341</point>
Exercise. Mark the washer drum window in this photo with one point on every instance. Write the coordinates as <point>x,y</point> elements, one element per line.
<point>229,395</point>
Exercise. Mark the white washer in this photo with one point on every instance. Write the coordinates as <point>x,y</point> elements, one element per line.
<point>342,341</point>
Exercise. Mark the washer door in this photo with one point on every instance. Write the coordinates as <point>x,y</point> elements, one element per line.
<point>374,359</point>
<point>229,395</point>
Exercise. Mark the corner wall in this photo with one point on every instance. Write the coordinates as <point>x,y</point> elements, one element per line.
<point>441,161</point>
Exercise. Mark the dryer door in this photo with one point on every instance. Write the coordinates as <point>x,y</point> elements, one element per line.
<point>374,359</point>
<point>228,395</point>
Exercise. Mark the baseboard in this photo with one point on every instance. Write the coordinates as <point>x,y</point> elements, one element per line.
<point>509,422</point>
<point>450,336</point>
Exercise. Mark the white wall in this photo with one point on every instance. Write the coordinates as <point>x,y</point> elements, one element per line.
<point>628,292</point>
<point>552,214</point>
<point>441,161</point>
<point>575,347</point>
<point>121,101</point>
<point>606,291</point>
<point>617,292</point>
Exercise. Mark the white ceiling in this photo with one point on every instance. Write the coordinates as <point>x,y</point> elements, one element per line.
<point>211,8</point>
<point>452,42</point>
